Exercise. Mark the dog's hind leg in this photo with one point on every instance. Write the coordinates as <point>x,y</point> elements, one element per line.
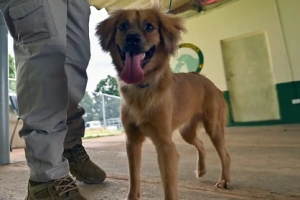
<point>215,129</point>
<point>189,134</point>
<point>134,142</point>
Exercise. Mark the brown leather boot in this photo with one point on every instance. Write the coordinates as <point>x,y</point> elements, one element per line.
<point>82,167</point>
<point>60,189</point>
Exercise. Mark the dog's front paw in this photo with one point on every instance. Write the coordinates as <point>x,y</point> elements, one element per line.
<point>223,184</point>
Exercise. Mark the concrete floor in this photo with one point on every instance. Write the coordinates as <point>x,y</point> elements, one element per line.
<point>265,165</point>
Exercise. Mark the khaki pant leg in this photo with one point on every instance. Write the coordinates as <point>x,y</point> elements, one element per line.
<point>78,56</point>
<point>39,30</point>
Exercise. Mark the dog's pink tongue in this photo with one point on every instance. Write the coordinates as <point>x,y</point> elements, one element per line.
<point>132,72</point>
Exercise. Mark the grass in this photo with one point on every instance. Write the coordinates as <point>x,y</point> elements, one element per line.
<point>96,133</point>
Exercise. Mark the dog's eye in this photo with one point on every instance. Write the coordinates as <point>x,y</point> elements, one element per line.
<point>149,27</point>
<point>123,26</point>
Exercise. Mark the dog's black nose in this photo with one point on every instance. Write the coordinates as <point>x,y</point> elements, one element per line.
<point>133,39</point>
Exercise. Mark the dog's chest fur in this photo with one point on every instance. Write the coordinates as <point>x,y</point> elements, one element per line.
<point>141,104</point>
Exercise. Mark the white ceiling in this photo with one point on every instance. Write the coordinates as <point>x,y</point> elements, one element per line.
<point>110,5</point>
<point>116,4</point>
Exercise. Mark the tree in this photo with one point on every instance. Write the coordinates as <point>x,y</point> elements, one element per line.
<point>92,103</point>
<point>98,112</point>
<point>12,67</point>
<point>111,106</point>
<point>88,104</point>
<point>108,85</point>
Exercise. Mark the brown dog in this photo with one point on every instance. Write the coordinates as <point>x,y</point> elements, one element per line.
<point>156,101</point>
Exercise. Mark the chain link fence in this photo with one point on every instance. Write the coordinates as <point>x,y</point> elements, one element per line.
<point>102,110</point>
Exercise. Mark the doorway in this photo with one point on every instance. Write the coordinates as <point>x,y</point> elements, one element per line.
<point>249,78</point>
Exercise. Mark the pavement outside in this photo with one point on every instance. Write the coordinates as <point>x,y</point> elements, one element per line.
<point>265,165</point>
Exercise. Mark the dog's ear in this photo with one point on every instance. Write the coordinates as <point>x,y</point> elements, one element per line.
<point>171,28</point>
<point>106,30</point>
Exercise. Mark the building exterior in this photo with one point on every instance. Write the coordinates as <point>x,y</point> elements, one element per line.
<point>251,52</point>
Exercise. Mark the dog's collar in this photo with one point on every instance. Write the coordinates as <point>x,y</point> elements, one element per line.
<point>142,85</point>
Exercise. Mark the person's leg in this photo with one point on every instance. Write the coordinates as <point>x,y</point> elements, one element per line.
<point>78,56</point>
<point>39,30</point>
<point>40,50</point>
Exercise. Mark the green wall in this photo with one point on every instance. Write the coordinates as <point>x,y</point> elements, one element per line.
<point>289,113</point>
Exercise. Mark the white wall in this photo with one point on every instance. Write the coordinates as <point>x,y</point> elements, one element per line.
<point>206,30</point>
<point>289,12</point>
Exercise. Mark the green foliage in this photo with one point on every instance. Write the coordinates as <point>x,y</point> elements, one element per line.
<point>92,103</point>
<point>88,104</point>
<point>12,74</point>
<point>108,85</point>
<point>12,67</point>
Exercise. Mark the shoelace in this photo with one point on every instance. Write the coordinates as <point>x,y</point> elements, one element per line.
<point>66,185</point>
<point>81,153</point>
